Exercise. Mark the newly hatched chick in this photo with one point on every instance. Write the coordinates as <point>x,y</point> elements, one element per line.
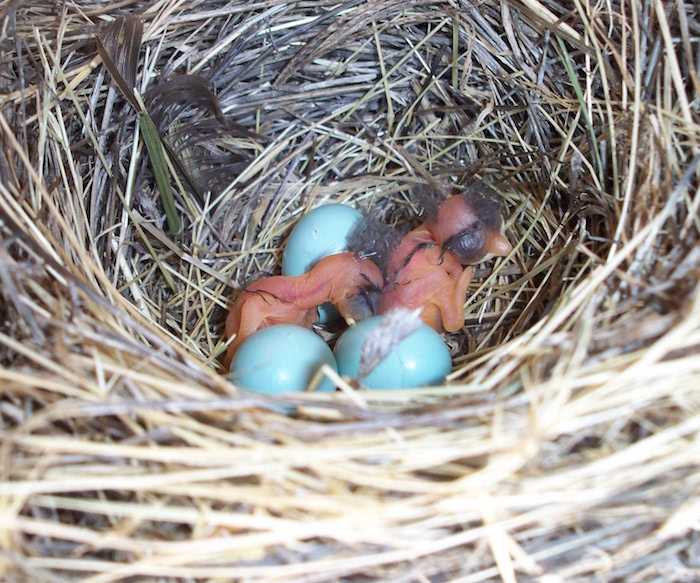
<point>426,269</point>
<point>346,280</point>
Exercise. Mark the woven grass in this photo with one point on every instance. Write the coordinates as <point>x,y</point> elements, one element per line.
<point>565,445</point>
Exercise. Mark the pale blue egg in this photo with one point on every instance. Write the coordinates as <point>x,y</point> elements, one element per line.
<point>281,359</point>
<point>322,231</point>
<point>421,358</point>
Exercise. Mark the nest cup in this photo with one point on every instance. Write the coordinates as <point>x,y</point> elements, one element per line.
<point>155,158</point>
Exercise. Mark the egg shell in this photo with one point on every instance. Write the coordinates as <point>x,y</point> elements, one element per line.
<point>420,359</point>
<point>322,231</point>
<point>281,359</point>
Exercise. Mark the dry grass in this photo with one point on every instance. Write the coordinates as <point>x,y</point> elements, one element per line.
<point>566,445</point>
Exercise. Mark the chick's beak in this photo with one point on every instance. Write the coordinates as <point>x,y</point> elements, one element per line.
<point>497,244</point>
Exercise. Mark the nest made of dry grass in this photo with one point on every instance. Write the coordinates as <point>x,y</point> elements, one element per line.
<point>565,445</point>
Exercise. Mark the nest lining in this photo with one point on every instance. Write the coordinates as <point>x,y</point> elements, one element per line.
<point>565,444</point>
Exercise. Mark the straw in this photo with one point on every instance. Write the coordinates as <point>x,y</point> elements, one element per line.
<point>564,445</point>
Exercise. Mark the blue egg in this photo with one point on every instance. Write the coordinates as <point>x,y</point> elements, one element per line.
<point>421,358</point>
<point>281,359</point>
<point>322,231</point>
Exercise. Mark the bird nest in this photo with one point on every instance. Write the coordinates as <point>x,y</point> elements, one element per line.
<point>155,157</point>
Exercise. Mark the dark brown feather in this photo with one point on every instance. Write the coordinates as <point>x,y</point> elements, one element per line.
<point>119,44</point>
<point>204,143</point>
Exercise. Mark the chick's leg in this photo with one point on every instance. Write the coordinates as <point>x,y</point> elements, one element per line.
<point>448,297</point>
<point>453,308</point>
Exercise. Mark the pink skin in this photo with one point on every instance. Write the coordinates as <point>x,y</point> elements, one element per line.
<point>284,299</point>
<point>433,281</point>
<point>423,275</point>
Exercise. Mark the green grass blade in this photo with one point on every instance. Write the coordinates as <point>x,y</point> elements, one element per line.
<point>568,64</point>
<point>156,152</point>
